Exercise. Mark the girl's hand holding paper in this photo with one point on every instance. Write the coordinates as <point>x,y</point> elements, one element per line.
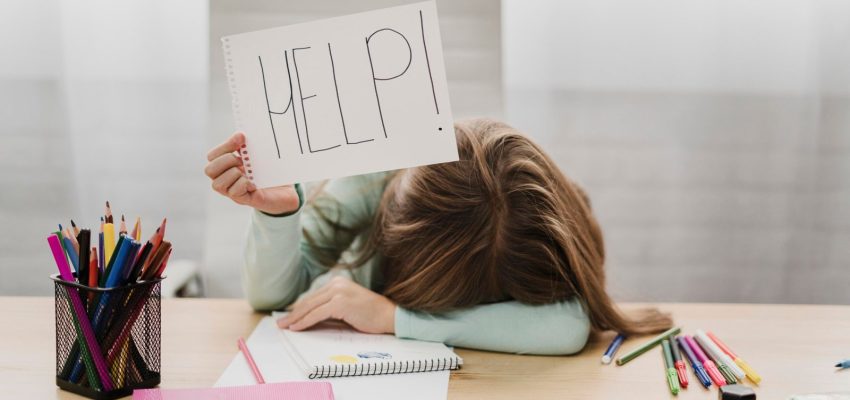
<point>344,300</point>
<point>227,172</point>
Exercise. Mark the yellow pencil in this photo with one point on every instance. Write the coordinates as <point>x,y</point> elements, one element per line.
<point>108,236</point>
<point>137,229</point>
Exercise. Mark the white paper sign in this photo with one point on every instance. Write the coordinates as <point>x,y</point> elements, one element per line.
<point>342,96</point>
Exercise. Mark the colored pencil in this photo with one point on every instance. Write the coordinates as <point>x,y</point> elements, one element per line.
<point>648,345</point>
<point>123,227</point>
<point>73,238</point>
<point>84,260</point>
<point>137,230</point>
<point>247,353</point>
<point>93,271</point>
<point>82,324</point>
<point>111,315</point>
<point>108,234</point>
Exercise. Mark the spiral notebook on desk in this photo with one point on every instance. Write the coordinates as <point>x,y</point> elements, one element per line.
<point>333,349</point>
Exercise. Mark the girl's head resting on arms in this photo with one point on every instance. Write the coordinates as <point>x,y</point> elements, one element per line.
<point>503,223</point>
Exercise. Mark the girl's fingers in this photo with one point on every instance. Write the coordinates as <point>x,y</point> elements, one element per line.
<point>319,314</point>
<point>240,188</point>
<point>230,145</point>
<point>304,307</point>
<point>226,180</point>
<point>222,163</point>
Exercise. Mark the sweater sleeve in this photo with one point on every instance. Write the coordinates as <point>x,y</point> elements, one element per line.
<point>511,327</point>
<point>283,254</point>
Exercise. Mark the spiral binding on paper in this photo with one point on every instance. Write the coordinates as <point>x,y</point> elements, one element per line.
<point>234,95</point>
<point>382,368</point>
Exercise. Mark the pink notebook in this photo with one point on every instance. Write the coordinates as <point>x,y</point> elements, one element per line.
<point>269,391</point>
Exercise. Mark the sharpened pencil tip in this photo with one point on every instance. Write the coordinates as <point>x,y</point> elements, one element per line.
<point>122,217</point>
<point>73,224</point>
<point>837,365</point>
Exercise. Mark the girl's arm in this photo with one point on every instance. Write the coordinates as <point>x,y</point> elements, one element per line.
<point>511,327</point>
<point>283,254</point>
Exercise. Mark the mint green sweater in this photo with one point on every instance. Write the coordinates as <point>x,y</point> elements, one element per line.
<point>280,266</point>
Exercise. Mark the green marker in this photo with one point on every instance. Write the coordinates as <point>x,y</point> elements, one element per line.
<point>648,345</point>
<point>672,377</point>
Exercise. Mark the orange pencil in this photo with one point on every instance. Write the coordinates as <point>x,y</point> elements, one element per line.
<point>164,264</point>
<point>137,230</point>
<point>92,271</point>
<point>155,261</point>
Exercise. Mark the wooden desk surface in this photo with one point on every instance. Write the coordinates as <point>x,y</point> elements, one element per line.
<point>793,348</point>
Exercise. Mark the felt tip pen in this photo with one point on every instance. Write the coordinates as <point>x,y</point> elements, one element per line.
<point>678,363</point>
<point>696,365</point>
<point>721,366</point>
<point>648,345</point>
<point>748,370</point>
<point>672,378</point>
<point>843,364</point>
<point>717,353</point>
<point>709,366</point>
<point>612,348</point>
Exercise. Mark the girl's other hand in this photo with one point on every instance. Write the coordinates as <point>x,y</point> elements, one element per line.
<point>227,173</point>
<point>343,300</point>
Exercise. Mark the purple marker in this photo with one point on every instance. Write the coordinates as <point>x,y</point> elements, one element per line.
<point>696,365</point>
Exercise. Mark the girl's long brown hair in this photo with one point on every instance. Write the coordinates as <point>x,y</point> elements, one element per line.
<point>503,223</point>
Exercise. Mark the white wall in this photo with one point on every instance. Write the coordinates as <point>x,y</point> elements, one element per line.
<point>761,46</point>
<point>100,101</point>
<point>712,135</point>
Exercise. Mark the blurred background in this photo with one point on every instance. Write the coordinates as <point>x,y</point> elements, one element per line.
<point>713,136</point>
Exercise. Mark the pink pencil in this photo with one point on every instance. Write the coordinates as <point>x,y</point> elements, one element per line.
<point>80,311</point>
<point>251,363</point>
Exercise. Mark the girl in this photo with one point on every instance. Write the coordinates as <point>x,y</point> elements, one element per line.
<point>498,251</point>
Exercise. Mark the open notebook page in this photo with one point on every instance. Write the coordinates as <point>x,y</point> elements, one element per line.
<point>333,349</point>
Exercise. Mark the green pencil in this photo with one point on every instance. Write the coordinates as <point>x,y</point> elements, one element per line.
<point>648,345</point>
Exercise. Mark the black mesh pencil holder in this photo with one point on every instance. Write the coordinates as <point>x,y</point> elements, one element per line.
<point>120,350</point>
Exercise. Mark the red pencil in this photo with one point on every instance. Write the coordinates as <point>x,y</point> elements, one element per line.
<point>93,270</point>
<point>250,360</point>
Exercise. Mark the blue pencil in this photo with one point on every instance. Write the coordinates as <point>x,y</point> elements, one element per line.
<point>612,348</point>
<point>72,254</point>
<point>69,249</point>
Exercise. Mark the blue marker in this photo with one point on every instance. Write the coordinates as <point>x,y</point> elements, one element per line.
<point>612,348</point>
<point>843,364</point>
<point>699,371</point>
